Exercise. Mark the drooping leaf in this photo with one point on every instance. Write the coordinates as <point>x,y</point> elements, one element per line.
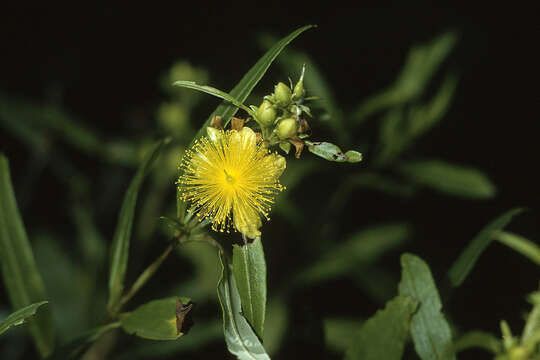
<point>249,269</point>
<point>240,338</point>
<point>275,324</point>
<point>523,246</point>
<point>215,92</point>
<point>22,280</point>
<point>478,339</point>
<point>155,320</point>
<point>468,257</point>
<point>449,178</point>
<point>383,335</point>
<point>361,249</point>
<point>429,329</point>
<point>122,235</point>
<point>332,152</point>
<point>19,316</point>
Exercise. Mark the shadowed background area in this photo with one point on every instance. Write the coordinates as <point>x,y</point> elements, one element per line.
<point>433,99</point>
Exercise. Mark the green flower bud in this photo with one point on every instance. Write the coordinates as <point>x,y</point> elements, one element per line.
<point>298,90</point>
<point>286,128</point>
<point>266,114</point>
<point>282,94</point>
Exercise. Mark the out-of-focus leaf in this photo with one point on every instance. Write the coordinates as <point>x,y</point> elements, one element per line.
<point>242,90</point>
<point>19,316</point>
<point>249,270</point>
<point>523,246</point>
<point>199,335</point>
<point>67,287</point>
<point>378,283</point>
<point>429,329</point>
<point>468,257</point>
<point>276,324</point>
<point>531,331</point>
<point>332,152</point>
<point>420,66</point>
<point>76,346</point>
<point>315,84</point>
<point>360,249</point>
<point>383,335</point>
<point>240,338</point>
<point>19,271</point>
<point>399,131</point>
<point>339,333</point>
<point>122,235</point>
<point>155,320</point>
<point>449,178</point>
<point>478,339</point>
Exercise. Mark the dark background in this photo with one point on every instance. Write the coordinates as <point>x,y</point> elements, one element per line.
<point>103,65</point>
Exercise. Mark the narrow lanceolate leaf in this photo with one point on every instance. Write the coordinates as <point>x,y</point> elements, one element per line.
<point>249,269</point>
<point>383,336</point>
<point>429,329</point>
<point>523,246</point>
<point>122,235</point>
<point>531,331</point>
<point>157,319</point>
<point>215,92</point>
<point>240,338</point>
<point>449,178</point>
<point>468,257</point>
<point>22,280</point>
<point>19,316</point>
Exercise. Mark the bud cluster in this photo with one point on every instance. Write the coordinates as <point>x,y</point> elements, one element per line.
<point>280,115</point>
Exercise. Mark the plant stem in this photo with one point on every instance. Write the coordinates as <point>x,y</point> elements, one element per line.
<point>145,276</point>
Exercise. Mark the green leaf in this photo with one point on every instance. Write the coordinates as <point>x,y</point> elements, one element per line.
<point>478,339</point>
<point>523,246</point>
<point>215,92</point>
<point>249,269</point>
<point>122,235</point>
<point>449,178</point>
<point>361,249</point>
<point>19,316</point>
<point>429,330</point>
<point>242,90</point>
<point>22,280</point>
<point>383,335</point>
<point>155,320</point>
<point>276,324</point>
<point>468,257</point>
<point>240,338</point>
<point>332,152</point>
<point>340,333</point>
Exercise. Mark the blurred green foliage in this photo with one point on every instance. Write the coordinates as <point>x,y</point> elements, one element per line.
<point>74,270</point>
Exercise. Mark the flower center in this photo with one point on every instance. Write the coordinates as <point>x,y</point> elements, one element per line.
<point>228,177</point>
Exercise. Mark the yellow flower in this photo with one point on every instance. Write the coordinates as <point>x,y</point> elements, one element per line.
<point>231,180</point>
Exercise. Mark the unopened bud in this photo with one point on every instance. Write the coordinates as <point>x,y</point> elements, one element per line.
<point>266,114</point>
<point>298,90</point>
<point>286,128</point>
<point>282,94</point>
